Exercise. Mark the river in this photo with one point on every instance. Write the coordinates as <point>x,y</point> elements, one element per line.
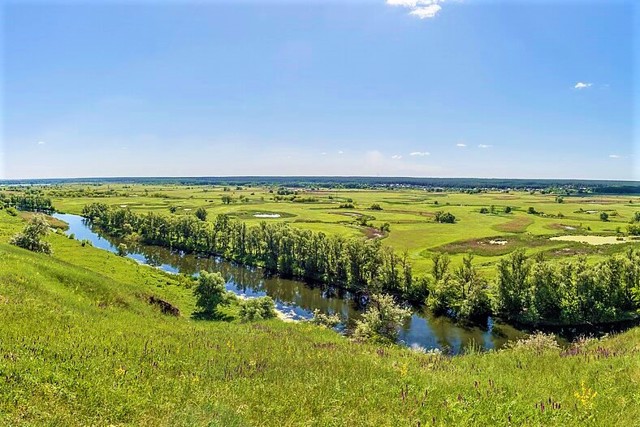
<point>297,300</point>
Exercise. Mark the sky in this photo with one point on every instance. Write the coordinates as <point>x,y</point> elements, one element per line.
<point>428,88</point>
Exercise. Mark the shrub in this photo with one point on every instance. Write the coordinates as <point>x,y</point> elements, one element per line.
<point>326,320</point>
<point>376,207</point>
<point>604,216</point>
<point>257,309</point>
<point>122,249</point>
<point>210,293</point>
<point>382,320</point>
<point>537,343</point>
<point>201,214</point>
<point>445,217</point>
<point>32,235</point>
<point>12,211</point>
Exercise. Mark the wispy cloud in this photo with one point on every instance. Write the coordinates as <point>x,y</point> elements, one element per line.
<point>41,142</point>
<point>420,8</point>
<point>484,146</point>
<point>582,85</point>
<point>461,145</point>
<point>420,153</point>
<point>614,156</point>
<point>396,157</point>
<point>340,152</point>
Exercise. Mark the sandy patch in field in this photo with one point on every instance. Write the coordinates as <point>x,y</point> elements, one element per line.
<point>593,240</point>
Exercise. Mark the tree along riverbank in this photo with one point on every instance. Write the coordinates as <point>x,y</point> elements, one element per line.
<point>528,291</point>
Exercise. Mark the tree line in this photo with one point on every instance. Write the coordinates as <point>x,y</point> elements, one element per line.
<point>26,202</point>
<point>527,290</point>
<point>362,266</point>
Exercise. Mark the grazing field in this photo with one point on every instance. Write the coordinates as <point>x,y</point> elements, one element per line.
<point>480,217</point>
<point>81,345</point>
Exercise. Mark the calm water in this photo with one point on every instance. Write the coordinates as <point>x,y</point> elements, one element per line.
<point>297,300</point>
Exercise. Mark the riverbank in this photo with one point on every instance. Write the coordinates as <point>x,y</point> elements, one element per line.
<point>298,299</point>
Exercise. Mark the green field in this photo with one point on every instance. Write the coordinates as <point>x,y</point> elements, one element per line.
<point>409,212</point>
<point>80,345</point>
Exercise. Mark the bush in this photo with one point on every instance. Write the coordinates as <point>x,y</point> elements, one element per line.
<point>604,216</point>
<point>537,343</point>
<point>257,309</point>
<point>382,320</point>
<point>32,235</point>
<point>201,214</point>
<point>376,207</point>
<point>326,320</point>
<point>12,211</point>
<point>122,249</point>
<point>445,218</point>
<point>210,293</point>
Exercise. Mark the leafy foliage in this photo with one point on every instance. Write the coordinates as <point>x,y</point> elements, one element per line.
<point>382,320</point>
<point>33,234</point>
<point>260,308</point>
<point>210,292</point>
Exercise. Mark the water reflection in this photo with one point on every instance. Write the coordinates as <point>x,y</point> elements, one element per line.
<point>296,299</point>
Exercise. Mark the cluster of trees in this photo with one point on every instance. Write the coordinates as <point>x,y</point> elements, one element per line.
<point>528,290</point>
<point>210,294</point>
<point>571,292</point>
<point>445,217</point>
<point>535,291</point>
<point>26,202</point>
<point>362,266</point>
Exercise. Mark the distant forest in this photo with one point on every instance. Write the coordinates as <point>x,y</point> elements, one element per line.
<point>434,184</point>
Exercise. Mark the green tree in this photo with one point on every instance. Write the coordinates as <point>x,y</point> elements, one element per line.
<point>604,216</point>
<point>33,234</point>
<point>210,293</point>
<point>201,214</point>
<point>122,249</point>
<point>382,320</point>
<point>513,285</point>
<point>445,217</point>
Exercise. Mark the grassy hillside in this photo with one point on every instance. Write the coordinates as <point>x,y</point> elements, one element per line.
<point>80,345</point>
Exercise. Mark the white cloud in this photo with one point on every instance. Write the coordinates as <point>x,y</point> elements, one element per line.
<point>41,142</point>
<point>461,145</point>
<point>324,153</point>
<point>582,85</point>
<point>426,11</point>
<point>420,8</point>
<point>484,146</point>
<point>396,157</point>
<point>340,152</point>
<point>420,153</point>
<point>614,156</point>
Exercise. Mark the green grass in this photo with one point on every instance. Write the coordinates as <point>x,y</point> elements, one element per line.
<point>79,345</point>
<point>408,211</point>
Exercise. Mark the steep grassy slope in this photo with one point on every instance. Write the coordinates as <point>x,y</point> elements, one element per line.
<point>80,345</point>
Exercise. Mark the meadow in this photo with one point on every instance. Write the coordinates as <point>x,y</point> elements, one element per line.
<point>81,345</point>
<point>408,212</point>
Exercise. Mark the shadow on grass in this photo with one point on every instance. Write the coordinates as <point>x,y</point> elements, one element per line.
<point>203,315</point>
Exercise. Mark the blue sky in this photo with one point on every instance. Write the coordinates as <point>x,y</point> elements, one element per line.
<point>540,89</point>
